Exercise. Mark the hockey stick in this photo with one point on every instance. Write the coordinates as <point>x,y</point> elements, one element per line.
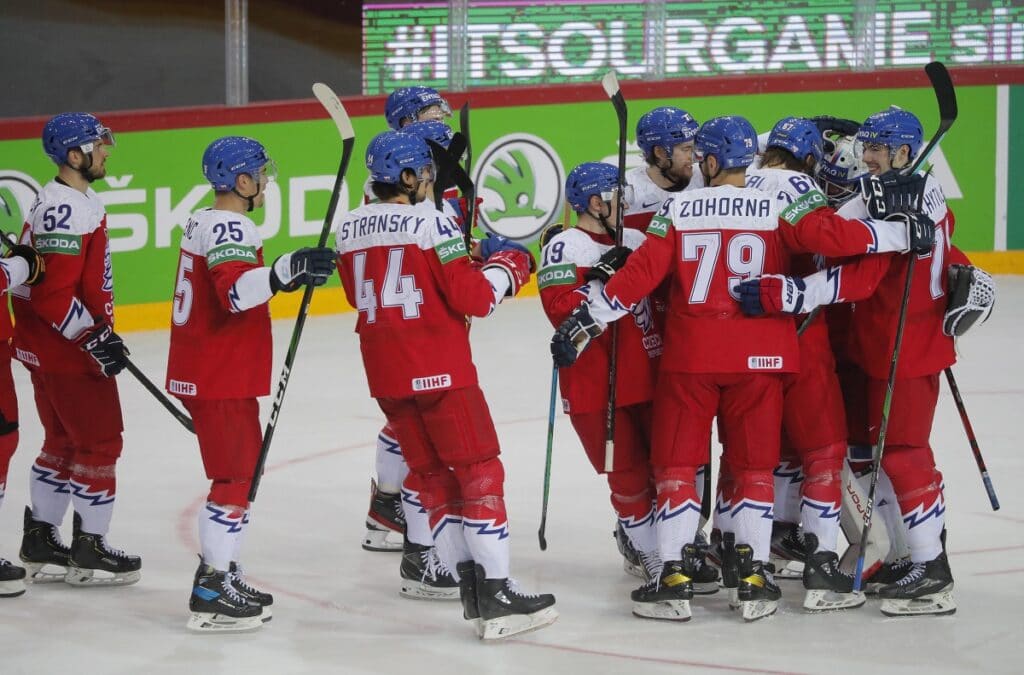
<point>971,438</point>
<point>186,421</point>
<point>547,461</point>
<point>611,87</point>
<point>945,96</point>
<point>329,100</point>
<point>468,167</point>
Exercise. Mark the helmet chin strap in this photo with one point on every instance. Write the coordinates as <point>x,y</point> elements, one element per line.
<point>603,219</point>
<point>249,201</point>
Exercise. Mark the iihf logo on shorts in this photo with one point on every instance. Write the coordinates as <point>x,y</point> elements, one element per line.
<point>520,179</point>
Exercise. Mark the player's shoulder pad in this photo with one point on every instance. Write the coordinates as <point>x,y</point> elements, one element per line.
<point>571,246</point>
<point>62,210</point>
<point>221,237</point>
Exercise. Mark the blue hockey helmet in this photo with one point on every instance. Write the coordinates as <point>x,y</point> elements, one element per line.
<point>588,179</point>
<point>665,127</point>
<point>407,103</point>
<point>893,127</point>
<point>227,158</point>
<point>799,136</point>
<point>67,131</point>
<point>839,172</point>
<point>391,152</point>
<point>731,139</point>
<point>431,130</point>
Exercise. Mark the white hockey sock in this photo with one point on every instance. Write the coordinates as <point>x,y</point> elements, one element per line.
<point>417,521</point>
<point>391,466</point>
<point>94,504</point>
<point>924,529</point>
<point>451,545</point>
<point>720,519</point>
<point>488,544</point>
<point>236,552</point>
<point>50,495</point>
<point>787,477</point>
<point>675,526</point>
<point>752,523</point>
<point>644,539</point>
<point>822,520</point>
<point>219,530</point>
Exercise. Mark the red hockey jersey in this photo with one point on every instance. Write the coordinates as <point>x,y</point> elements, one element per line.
<point>220,323</point>
<point>69,229</point>
<point>407,272</point>
<point>584,385</point>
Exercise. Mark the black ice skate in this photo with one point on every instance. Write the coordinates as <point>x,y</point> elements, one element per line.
<point>467,593</point>
<point>725,552</point>
<point>888,573</point>
<point>385,521</point>
<point>46,558</point>
<point>926,589</point>
<point>506,611</point>
<point>217,606</point>
<point>667,598</point>
<point>757,592</point>
<point>12,579</point>
<point>252,595</point>
<point>424,576</point>
<point>705,575</point>
<point>787,553</point>
<point>95,563</point>
<point>826,585</point>
<point>631,562</point>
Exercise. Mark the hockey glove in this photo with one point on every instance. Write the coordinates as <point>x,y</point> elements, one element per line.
<point>972,295</point>
<point>515,263</point>
<point>106,347</point>
<point>35,262</point>
<point>574,335</point>
<point>772,294</point>
<point>920,230</point>
<point>892,192</point>
<point>611,261</point>
<point>293,270</point>
<point>839,125</point>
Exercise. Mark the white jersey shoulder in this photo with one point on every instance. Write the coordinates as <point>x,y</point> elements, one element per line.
<point>383,224</point>
<point>647,196</point>
<point>787,186</point>
<point>221,236</point>
<point>62,210</point>
<point>726,207</point>
<point>572,246</point>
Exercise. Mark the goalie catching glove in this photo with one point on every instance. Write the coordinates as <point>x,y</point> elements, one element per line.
<point>574,335</point>
<point>972,295</point>
<point>292,271</point>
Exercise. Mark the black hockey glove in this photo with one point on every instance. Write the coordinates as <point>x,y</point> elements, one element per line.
<point>892,192</point>
<point>574,335</point>
<point>839,125</point>
<point>972,295</point>
<point>106,347</point>
<point>36,264</point>
<point>293,270</point>
<point>610,262</point>
<point>920,230</point>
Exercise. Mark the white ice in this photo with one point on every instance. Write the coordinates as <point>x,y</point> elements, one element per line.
<point>337,607</point>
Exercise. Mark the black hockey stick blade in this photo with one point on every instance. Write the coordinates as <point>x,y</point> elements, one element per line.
<point>329,100</point>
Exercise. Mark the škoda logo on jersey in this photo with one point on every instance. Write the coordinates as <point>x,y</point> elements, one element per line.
<point>520,179</point>
<point>801,207</point>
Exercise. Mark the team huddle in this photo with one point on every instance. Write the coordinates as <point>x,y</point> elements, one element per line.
<point>753,281</point>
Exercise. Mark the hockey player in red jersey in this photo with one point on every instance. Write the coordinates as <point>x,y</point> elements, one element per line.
<point>665,136</point>
<point>219,363</point>
<point>405,268</point>
<point>890,139</point>
<point>813,447</point>
<point>716,360</point>
<point>21,264</point>
<point>64,335</point>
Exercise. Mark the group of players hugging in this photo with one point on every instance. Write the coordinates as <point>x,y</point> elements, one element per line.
<point>731,244</point>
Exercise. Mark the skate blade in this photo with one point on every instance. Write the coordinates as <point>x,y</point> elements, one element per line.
<point>416,590</point>
<point>382,541</point>
<point>826,600</point>
<point>705,588</point>
<point>44,573</point>
<point>517,624</point>
<point>936,604</point>
<point>665,610</point>
<point>78,576</point>
<point>634,570</point>
<point>754,610</point>
<point>206,622</point>
<point>12,588</point>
